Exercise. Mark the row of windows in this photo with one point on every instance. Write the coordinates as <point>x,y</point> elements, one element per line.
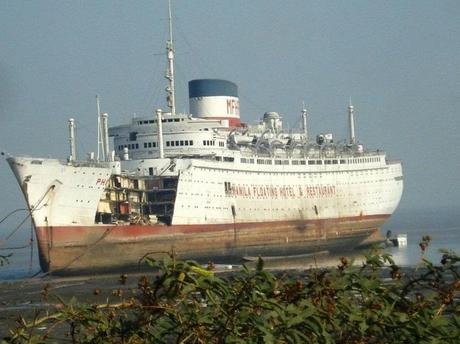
<point>178,143</point>
<point>225,158</point>
<point>164,120</point>
<point>129,146</point>
<point>304,162</point>
<point>150,144</point>
<point>175,143</point>
<point>213,143</point>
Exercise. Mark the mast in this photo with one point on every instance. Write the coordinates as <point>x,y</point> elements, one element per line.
<point>99,131</point>
<point>304,121</point>
<point>351,123</point>
<point>105,136</point>
<point>73,150</point>
<point>160,132</point>
<point>170,90</point>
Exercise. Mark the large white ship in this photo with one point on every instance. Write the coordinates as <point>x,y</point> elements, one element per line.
<point>206,186</point>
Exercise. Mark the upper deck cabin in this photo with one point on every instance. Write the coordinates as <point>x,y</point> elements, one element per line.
<point>182,135</point>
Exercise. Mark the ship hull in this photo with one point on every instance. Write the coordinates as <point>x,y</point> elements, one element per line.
<point>216,211</point>
<point>86,249</point>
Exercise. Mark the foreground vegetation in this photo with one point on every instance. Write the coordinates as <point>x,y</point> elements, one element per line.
<point>185,303</point>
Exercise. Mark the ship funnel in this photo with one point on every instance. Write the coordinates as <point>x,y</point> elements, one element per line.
<point>214,99</point>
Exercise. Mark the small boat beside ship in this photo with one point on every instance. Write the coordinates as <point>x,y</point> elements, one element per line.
<point>206,186</point>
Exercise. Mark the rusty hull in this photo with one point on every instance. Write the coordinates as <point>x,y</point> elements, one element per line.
<point>78,249</point>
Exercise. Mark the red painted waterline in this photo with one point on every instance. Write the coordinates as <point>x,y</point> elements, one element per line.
<point>62,234</point>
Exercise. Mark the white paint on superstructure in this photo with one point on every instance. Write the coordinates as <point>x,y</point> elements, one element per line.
<point>60,193</point>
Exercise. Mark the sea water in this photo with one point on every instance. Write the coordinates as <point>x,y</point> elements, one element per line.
<point>442,225</point>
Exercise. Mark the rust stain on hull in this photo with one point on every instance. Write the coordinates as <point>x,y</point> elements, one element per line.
<point>111,247</point>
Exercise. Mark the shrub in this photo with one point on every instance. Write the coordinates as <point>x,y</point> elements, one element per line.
<point>186,303</point>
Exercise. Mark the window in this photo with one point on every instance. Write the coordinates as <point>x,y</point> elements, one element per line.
<point>145,144</point>
<point>167,143</point>
<point>285,162</point>
<point>303,162</point>
<point>277,162</point>
<point>186,142</point>
<point>133,136</point>
<point>311,162</point>
<point>295,162</point>
<point>319,162</point>
<point>191,142</point>
<point>342,161</point>
<point>335,162</point>
<point>181,142</point>
<point>172,143</point>
<point>230,159</point>
<point>177,143</point>
<point>260,161</point>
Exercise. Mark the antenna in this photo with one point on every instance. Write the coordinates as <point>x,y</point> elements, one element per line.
<point>170,90</point>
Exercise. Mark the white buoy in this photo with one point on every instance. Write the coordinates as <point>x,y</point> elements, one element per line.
<point>402,240</point>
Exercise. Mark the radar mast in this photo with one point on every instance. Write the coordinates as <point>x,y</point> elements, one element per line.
<point>170,90</point>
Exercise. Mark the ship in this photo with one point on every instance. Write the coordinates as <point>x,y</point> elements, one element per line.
<point>206,186</point>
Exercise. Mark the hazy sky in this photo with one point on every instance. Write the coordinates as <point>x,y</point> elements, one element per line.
<point>398,60</point>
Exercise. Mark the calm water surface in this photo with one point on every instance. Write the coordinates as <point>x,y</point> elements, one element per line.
<point>443,225</point>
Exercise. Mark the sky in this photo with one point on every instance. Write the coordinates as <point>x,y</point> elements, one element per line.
<point>397,60</point>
